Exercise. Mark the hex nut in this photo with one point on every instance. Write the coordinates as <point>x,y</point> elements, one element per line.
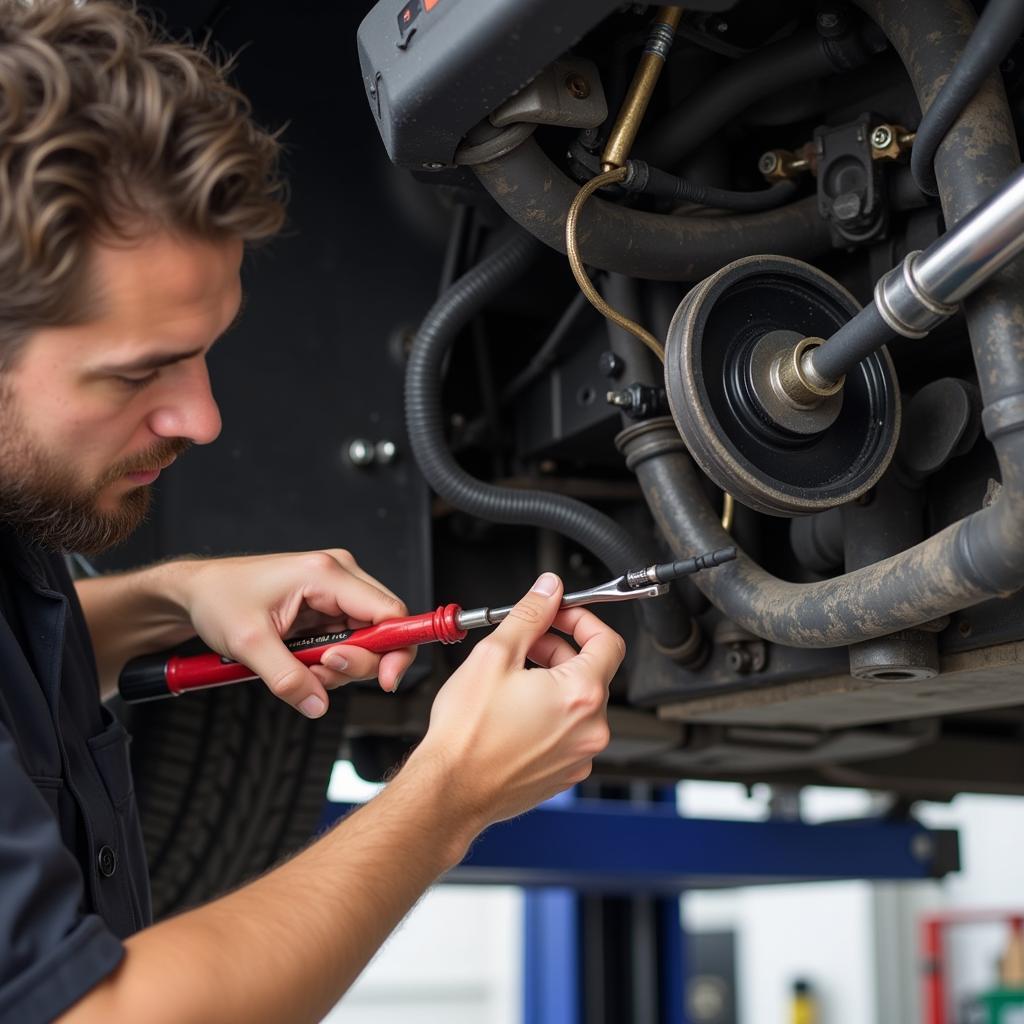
<point>881,137</point>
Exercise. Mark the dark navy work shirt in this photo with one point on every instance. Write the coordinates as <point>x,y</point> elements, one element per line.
<point>73,878</point>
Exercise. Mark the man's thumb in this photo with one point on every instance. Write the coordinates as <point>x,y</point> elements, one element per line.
<point>531,617</point>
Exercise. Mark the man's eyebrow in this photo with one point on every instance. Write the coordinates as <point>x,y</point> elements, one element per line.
<point>156,360</point>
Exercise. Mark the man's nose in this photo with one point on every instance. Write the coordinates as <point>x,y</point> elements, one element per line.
<point>190,410</point>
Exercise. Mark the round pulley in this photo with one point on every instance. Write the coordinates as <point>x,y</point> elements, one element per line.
<point>731,344</point>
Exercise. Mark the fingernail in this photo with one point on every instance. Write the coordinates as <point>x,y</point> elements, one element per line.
<point>547,584</point>
<point>337,662</point>
<point>398,679</point>
<point>312,706</point>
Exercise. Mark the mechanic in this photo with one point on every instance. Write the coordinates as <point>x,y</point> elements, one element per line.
<point>131,180</point>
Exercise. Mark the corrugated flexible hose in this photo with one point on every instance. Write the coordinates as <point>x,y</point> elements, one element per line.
<point>669,622</point>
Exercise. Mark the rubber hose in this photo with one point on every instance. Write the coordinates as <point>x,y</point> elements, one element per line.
<point>669,622</point>
<point>999,27</point>
<point>650,181</point>
<point>536,195</point>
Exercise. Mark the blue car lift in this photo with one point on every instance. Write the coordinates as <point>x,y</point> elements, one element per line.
<point>608,874</point>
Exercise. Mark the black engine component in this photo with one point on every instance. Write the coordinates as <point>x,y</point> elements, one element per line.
<point>714,369</point>
<point>851,191</point>
<point>640,401</point>
<point>432,69</point>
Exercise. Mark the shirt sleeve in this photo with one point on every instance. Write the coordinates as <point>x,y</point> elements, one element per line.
<point>51,953</point>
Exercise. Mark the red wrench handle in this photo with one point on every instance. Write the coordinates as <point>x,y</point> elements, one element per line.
<point>162,675</point>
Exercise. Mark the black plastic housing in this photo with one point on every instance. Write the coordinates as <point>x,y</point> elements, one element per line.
<point>432,69</point>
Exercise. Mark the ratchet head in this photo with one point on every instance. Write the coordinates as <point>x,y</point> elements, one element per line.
<point>665,572</point>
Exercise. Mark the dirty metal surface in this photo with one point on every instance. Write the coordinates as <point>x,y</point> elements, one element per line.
<point>991,677</point>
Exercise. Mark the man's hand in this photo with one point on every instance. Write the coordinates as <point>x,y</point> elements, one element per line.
<point>509,736</point>
<point>242,607</point>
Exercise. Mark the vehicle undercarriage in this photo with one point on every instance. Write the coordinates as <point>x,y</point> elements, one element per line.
<point>419,324</point>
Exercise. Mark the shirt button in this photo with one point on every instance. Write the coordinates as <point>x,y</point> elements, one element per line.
<point>106,860</point>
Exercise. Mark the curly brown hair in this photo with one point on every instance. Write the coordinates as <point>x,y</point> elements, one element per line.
<point>108,129</point>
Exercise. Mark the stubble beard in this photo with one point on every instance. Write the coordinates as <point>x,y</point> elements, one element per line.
<point>44,501</point>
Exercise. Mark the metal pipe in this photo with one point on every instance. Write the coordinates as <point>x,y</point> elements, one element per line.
<point>888,524</point>
<point>634,106</point>
<point>926,287</point>
<point>976,558</point>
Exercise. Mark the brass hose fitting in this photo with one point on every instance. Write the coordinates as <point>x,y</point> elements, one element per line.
<point>634,106</point>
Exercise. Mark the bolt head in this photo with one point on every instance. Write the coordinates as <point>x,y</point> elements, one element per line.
<point>768,163</point>
<point>577,86</point>
<point>738,659</point>
<point>611,365</point>
<point>361,452</point>
<point>432,165</point>
<point>385,452</point>
<point>828,19</point>
<point>881,137</point>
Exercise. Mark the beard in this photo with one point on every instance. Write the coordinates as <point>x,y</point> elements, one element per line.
<point>42,498</point>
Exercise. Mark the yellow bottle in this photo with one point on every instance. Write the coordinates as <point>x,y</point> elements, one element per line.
<point>804,1008</point>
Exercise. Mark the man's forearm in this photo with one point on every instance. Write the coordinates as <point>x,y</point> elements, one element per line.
<point>287,946</point>
<point>131,614</point>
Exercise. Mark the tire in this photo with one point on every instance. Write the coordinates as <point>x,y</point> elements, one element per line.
<point>228,783</point>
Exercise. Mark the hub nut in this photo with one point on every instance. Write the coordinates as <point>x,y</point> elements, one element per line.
<point>777,379</point>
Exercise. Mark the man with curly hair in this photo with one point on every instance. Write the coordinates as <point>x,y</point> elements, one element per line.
<point>132,178</point>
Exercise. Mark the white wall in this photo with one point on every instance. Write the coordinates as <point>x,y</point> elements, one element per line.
<point>819,931</point>
<point>456,958</point>
<point>857,942</point>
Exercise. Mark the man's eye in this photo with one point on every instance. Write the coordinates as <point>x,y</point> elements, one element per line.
<point>134,383</point>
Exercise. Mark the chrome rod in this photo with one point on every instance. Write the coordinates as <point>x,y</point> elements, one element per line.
<point>926,287</point>
<point>976,248</point>
<point>614,590</point>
